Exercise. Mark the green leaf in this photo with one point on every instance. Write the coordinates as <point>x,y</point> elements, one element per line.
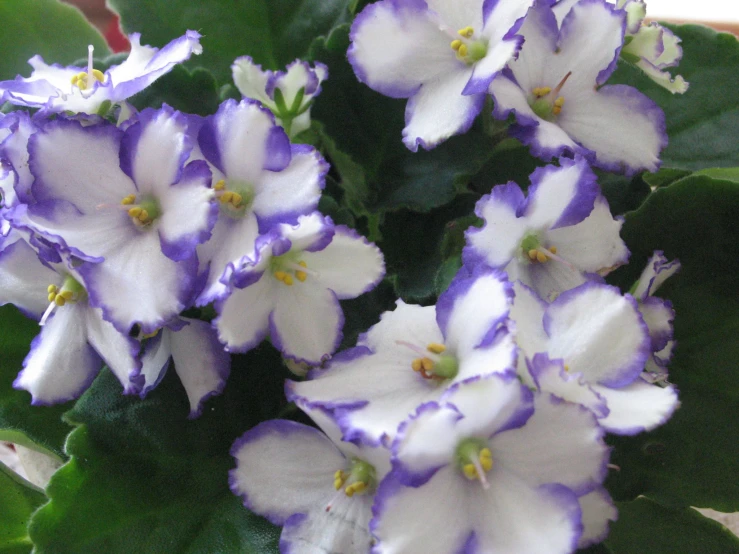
<point>272,32</point>
<point>693,460</point>
<point>18,500</point>
<point>623,194</point>
<point>144,478</point>
<point>664,177</point>
<point>192,92</point>
<point>37,427</point>
<point>645,526</point>
<point>56,31</point>
<point>703,123</point>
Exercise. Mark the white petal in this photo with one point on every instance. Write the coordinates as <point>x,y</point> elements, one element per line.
<point>656,272</point>
<point>250,79</point>
<point>410,323</point>
<point>200,361</point>
<point>561,443</point>
<point>593,244</point>
<point>551,279</point>
<point>439,110</point>
<point>397,47</point>
<point>310,230</point>
<point>306,322</point>
<point>60,365</point>
<point>457,15</point>
<point>597,510</point>
<point>283,468</point>
<point>118,351</point>
<point>599,333</point>
<point>540,32</point>
<point>499,357</point>
<point>155,360</point>
<point>528,314</point>
<point>658,315</point>
<point>347,280</point>
<point>637,407</point>
<point>24,279</point>
<point>243,319</point>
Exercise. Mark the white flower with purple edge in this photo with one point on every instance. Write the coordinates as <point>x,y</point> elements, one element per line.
<point>319,488</point>
<point>556,90</point>
<point>15,177</point>
<point>293,285</point>
<point>414,355</point>
<point>75,340</point>
<point>54,88</point>
<point>507,465</point>
<point>127,204</point>
<point>259,178</point>
<point>440,54</point>
<point>287,94</point>
<point>199,360</point>
<point>590,347</point>
<point>557,238</point>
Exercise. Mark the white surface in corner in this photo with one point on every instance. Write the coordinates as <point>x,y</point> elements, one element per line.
<point>694,10</point>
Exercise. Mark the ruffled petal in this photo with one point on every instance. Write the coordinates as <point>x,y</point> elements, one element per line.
<point>637,407</point>
<point>599,333</point>
<point>242,329</point>
<point>550,279</point>
<point>250,79</point>
<point>541,33</point>
<point>528,314</point>
<point>656,272</point>
<point>658,315</point>
<point>24,278</point>
<point>200,362</point>
<point>347,280</point>
<point>486,69</point>
<point>597,511</point>
<point>118,351</point>
<point>60,365</point>
<point>283,468</point>
<point>155,358</point>
<point>439,110</point>
<point>306,322</point>
<point>396,46</point>
<point>410,323</point>
<point>457,15</point>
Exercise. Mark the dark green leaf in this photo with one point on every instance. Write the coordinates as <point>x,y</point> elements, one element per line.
<point>18,500</point>
<point>37,427</point>
<point>363,312</point>
<point>703,123</point>
<point>56,31</point>
<point>191,92</point>
<point>623,194</point>
<point>664,177</point>
<point>272,32</point>
<point>693,460</point>
<point>645,526</point>
<point>144,478</point>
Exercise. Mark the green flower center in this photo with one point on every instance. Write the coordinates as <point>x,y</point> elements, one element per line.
<point>469,50</point>
<point>474,459</point>
<point>235,197</point>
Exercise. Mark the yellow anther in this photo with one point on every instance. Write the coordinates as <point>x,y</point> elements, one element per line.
<point>130,199</point>
<point>462,50</point>
<point>469,471</point>
<point>427,364</point>
<point>75,78</point>
<point>486,459</point>
<point>556,110</point>
<point>541,91</point>
<point>220,185</point>
<point>339,479</point>
<point>135,211</point>
<point>143,216</point>
<point>51,288</point>
<point>60,300</point>
<point>417,365</point>
<point>302,264</point>
<point>280,275</point>
<point>99,75</point>
<point>553,249</point>
<point>355,488</point>
<point>236,199</point>
<point>436,348</point>
<point>67,294</point>
<point>560,101</point>
<point>567,368</point>
<point>52,296</point>
<point>467,32</point>
<point>301,276</point>
<point>288,280</point>
<point>226,197</point>
<point>532,254</point>
<point>456,43</point>
<point>541,257</point>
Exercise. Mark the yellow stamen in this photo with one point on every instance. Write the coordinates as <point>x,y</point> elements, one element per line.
<point>226,197</point>
<point>560,101</point>
<point>486,459</point>
<point>456,43</point>
<point>436,348</point>
<point>540,92</point>
<point>467,32</point>
<point>280,275</point>
<point>532,254</point>
<point>301,276</point>
<point>339,479</point>
<point>553,249</point>
<point>60,300</point>
<point>135,211</point>
<point>236,199</point>
<point>143,216</point>
<point>567,368</point>
<point>52,288</point>
<point>98,75</point>
<point>355,488</point>
<point>417,365</point>
<point>427,364</point>
<point>220,185</point>
<point>288,280</point>
<point>462,50</point>
<point>67,294</point>
<point>541,257</point>
<point>128,200</point>
<point>52,296</point>
<point>469,471</point>
<point>302,264</point>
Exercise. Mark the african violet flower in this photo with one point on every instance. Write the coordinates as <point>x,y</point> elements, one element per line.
<point>15,175</point>
<point>292,286</point>
<point>319,488</point>
<point>492,469</point>
<point>441,54</point>
<point>199,360</point>
<point>651,47</point>
<point>413,355</point>
<point>260,180</point>
<point>553,240</point>
<point>87,90</point>
<point>590,347</point>
<point>75,339</point>
<point>556,90</point>
<point>288,94</point>
<point>127,204</point>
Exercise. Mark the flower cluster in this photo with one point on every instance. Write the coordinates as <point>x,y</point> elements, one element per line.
<point>113,228</point>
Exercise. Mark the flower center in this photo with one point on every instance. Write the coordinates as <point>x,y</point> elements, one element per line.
<point>86,79</point>
<point>288,267</point>
<point>474,459</point>
<point>469,49</point>
<point>235,197</point>
<point>433,363</point>
<point>547,103</point>
<point>142,212</point>
<point>535,252</point>
<point>359,479</point>
<point>70,292</point>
